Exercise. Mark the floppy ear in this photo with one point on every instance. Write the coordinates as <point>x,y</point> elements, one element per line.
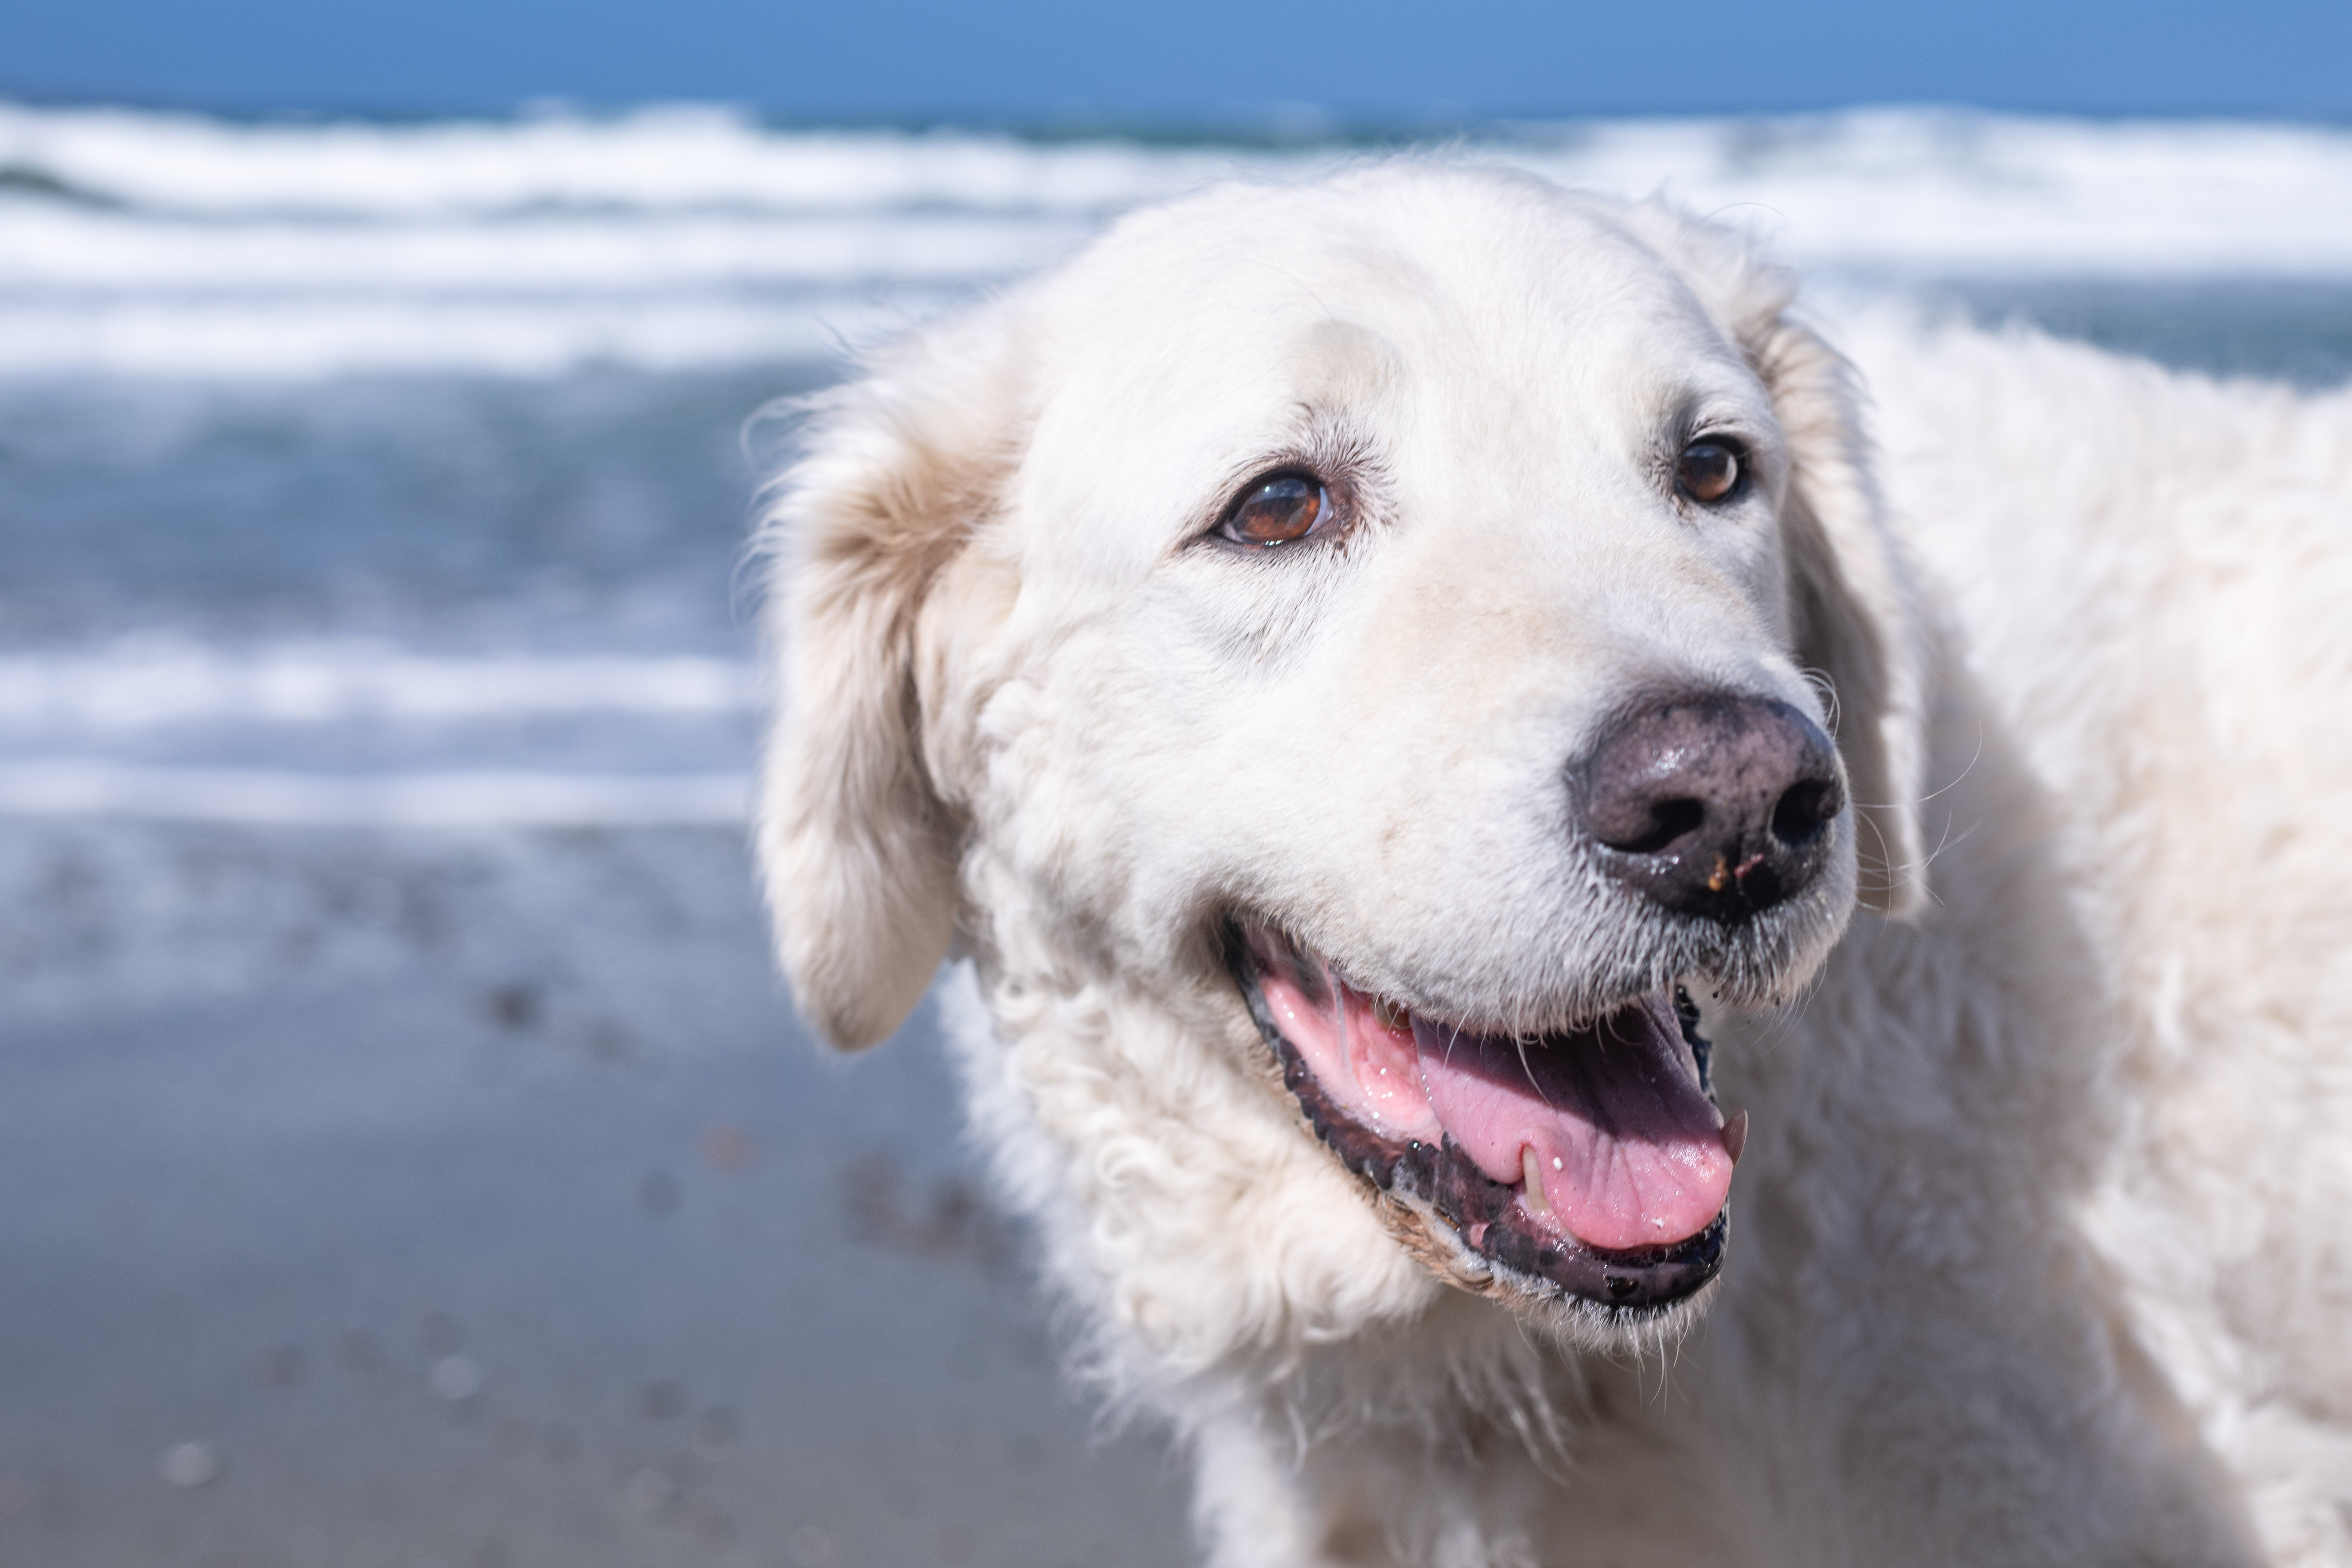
<point>1852,609</point>
<point>856,847</point>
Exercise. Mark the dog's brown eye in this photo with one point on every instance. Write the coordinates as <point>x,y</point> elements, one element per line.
<point>1277,511</point>
<point>1709,470</point>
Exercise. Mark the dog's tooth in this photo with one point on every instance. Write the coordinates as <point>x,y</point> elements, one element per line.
<point>1389,1015</point>
<point>1532,1172</point>
<point>1735,1134</point>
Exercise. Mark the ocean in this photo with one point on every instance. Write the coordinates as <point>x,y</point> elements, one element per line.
<point>406,1155</point>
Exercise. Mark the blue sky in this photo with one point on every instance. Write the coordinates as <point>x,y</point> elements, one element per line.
<point>1379,61</point>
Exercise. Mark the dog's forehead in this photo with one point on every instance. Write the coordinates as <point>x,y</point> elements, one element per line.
<point>1191,345</point>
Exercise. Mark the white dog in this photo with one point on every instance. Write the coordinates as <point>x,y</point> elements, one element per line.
<point>1353,665</point>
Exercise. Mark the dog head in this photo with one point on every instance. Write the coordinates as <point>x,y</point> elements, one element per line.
<point>1418,607</point>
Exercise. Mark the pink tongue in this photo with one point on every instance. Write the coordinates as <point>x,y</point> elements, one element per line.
<point>1631,1154</point>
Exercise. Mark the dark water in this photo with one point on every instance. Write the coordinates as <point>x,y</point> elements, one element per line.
<point>605,510</point>
<point>2279,329</point>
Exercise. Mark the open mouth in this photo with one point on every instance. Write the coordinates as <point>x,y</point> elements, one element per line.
<point>1588,1163</point>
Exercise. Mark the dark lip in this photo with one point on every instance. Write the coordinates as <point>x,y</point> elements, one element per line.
<point>1441,1180</point>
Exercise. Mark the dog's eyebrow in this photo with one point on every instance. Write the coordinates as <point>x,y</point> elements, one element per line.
<point>1712,410</point>
<point>1344,363</point>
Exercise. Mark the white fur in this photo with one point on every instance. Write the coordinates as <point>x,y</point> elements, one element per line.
<point>2042,1247</point>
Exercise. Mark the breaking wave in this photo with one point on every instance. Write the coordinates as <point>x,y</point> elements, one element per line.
<point>470,799</point>
<point>135,243</point>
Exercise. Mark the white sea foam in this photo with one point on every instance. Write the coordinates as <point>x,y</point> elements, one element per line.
<point>138,243</point>
<point>72,251</point>
<point>311,338</point>
<point>137,730</point>
<point>656,160</point>
<point>79,787</point>
<point>143,688</point>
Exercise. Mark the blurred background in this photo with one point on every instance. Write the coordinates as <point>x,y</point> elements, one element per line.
<point>407,1156</point>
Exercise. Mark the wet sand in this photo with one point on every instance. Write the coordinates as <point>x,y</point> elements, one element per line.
<point>472,1199</point>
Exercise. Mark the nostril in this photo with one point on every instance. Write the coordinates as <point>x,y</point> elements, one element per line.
<point>1804,810</point>
<point>1668,820</point>
<point>1715,803</point>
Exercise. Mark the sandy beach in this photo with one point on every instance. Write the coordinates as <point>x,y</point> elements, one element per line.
<point>366,1205</point>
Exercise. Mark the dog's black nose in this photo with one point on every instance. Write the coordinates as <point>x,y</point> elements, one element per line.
<point>1712,804</point>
